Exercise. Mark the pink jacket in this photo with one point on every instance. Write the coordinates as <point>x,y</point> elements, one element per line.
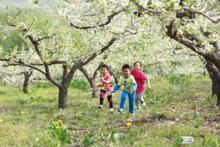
<point>140,79</point>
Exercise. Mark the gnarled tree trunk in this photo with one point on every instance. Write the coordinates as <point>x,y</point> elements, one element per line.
<point>212,58</point>
<point>27,76</point>
<point>215,77</point>
<point>63,91</point>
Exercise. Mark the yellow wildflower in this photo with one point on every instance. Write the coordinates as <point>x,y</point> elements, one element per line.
<point>1,120</point>
<point>63,127</point>
<point>57,127</point>
<point>60,121</point>
<point>129,124</point>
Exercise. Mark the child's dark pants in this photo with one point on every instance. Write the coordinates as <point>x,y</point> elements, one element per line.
<point>103,94</point>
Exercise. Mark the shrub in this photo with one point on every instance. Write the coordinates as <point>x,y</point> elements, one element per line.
<point>80,84</point>
<point>60,132</point>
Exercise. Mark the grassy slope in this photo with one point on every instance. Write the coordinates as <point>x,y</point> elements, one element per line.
<point>172,110</point>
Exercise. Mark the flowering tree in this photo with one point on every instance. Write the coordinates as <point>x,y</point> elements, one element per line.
<point>193,24</point>
<point>42,41</point>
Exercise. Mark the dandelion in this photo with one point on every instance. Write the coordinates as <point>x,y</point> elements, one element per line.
<point>129,124</point>
<point>57,127</point>
<point>1,120</point>
<point>63,127</point>
<point>60,121</point>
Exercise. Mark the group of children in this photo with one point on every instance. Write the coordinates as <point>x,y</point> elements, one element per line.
<point>132,83</point>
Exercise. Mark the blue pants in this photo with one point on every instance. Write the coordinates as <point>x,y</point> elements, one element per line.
<point>131,98</point>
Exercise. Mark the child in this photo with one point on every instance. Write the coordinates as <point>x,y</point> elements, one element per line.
<point>140,79</point>
<point>128,85</point>
<point>106,87</point>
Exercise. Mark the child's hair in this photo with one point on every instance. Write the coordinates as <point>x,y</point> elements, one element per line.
<point>126,66</point>
<point>137,62</point>
<point>105,66</point>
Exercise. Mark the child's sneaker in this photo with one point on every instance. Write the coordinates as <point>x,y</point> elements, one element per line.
<point>143,103</point>
<point>100,107</point>
<point>120,110</point>
<point>111,110</point>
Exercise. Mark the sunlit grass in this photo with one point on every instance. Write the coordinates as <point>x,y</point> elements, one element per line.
<point>25,118</point>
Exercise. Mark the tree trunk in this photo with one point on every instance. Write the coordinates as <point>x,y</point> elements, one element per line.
<point>27,76</point>
<point>215,77</point>
<point>92,85</point>
<point>90,80</point>
<point>63,91</point>
<point>212,58</point>
<point>25,85</point>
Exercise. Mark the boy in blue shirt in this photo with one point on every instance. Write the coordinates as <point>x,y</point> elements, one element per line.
<point>128,86</point>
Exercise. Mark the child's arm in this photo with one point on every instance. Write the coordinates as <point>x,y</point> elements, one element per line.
<point>134,84</point>
<point>116,88</point>
<point>134,87</point>
<point>106,81</point>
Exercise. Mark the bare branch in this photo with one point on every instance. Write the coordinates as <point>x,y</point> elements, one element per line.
<point>96,71</point>
<point>203,14</point>
<point>35,43</point>
<point>21,63</point>
<point>187,41</point>
<point>148,9</point>
<point>110,43</point>
<point>103,24</point>
<point>55,62</point>
<point>4,60</point>
<point>87,60</point>
<point>43,38</point>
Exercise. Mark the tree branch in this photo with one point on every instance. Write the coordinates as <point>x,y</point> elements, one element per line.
<point>187,41</point>
<point>203,14</point>
<point>103,24</point>
<point>87,60</point>
<point>148,9</point>
<point>4,60</point>
<point>96,71</point>
<point>35,43</point>
<point>55,62</point>
<point>21,63</point>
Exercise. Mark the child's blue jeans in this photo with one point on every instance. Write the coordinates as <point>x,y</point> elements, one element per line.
<point>131,100</point>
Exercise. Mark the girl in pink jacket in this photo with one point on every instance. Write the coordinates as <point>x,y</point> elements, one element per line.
<point>140,79</point>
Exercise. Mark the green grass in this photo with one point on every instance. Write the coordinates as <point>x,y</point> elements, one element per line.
<point>174,108</point>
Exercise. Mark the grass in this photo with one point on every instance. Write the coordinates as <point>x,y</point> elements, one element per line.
<point>173,108</point>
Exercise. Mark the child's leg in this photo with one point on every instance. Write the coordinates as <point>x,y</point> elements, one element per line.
<point>131,103</point>
<point>123,99</point>
<point>110,100</point>
<point>141,95</point>
<point>137,99</point>
<point>102,96</point>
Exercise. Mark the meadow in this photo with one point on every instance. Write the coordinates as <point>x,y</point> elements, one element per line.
<point>175,106</point>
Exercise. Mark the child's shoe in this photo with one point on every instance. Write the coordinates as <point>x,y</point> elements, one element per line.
<point>100,107</point>
<point>111,110</point>
<point>143,103</point>
<point>137,109</point>
<point>120,110</point>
